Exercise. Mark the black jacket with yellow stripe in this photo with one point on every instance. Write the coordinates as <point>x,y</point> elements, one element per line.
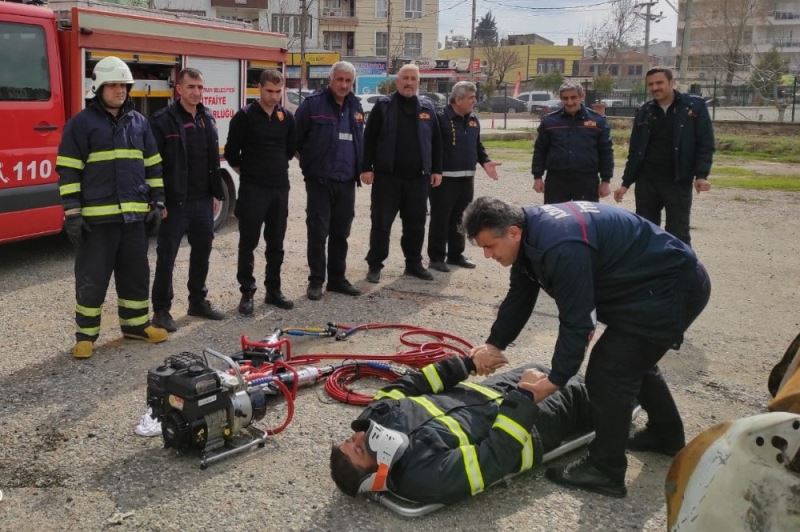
<point>109,168</point>
<point>463,437</point>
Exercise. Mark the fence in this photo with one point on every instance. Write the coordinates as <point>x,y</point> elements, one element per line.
<point>725,102</point>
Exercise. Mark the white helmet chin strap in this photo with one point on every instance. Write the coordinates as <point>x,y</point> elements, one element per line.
<point>387,446</point>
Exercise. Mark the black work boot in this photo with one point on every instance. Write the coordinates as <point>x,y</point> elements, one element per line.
<point>276,297</point>
<point>163,319</point>
<point>374,275</point>
<point>343,287</point>
<point>439,266</point>
<point>418,271</point>
<point>246,304</point>
<point>205,310</point>
<point>314,291</point>
<point>646,440</point>
<point>582,474</point>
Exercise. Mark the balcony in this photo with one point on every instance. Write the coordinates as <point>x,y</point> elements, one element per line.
<point>784,18</point>
<point>248,4</point>
<point>337,13</point>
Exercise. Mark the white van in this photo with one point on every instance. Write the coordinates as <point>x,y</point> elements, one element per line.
<point>531,97</point>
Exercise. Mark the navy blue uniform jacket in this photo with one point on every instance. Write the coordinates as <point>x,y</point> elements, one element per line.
<point>599,263</point>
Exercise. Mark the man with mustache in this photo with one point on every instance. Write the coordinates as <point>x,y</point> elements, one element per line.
<point>671,147</point>
<point>402,158</point>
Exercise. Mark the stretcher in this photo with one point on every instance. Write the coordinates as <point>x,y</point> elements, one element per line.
<point>409,508</point>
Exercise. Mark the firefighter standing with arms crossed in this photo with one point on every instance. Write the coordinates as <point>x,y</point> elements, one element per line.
<point>111,186</point>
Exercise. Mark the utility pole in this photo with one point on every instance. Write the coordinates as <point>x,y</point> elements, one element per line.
<point>648,18</point>
<point>472,41</point>
<point>683,74</point>
<point>303,18</point>
<point>388,36</point>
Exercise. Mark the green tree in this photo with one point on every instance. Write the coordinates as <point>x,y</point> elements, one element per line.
<point>486,31</point>
<point>766,77</point>
<point>549,82</point>
<point>387,86</point>
<point>603,83</point>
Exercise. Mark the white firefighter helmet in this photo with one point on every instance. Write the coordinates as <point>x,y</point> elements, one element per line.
<point>739,475</point>
<point>110,70</point>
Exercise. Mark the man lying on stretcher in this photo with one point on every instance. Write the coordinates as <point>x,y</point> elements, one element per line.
<point>433,437</point>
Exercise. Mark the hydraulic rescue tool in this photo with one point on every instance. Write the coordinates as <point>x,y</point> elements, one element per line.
<point>212,403</point>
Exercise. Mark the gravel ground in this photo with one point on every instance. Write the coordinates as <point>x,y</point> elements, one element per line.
<point>69,459</point>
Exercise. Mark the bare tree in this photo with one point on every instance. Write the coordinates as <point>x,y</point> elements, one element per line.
<point>723,34</point>
<point>609,36</point>
<point>766,78</point>
<point>499,61</point>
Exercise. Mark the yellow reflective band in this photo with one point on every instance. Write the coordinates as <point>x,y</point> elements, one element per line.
<point>89,331</point>
<point>494,395</point>
<point>473,469</point>
<point>516,431</point>
<point>89,312</point>
<point>155,182</point>
<point>110,155</point>
<point>134,206</point>
<point>132,304</point>
<point>69,162</point>
<point>440,416</point>
<point>140,320</point>
<point>391,394</point>
<point>433,378</point>
<point>101,210</point>
<point>70,188</point>
<point>153,159</point>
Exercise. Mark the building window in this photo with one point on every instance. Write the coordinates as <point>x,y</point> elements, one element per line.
<point>381,44</point>
<point>413,9</point>
<point>297,25</point>
<point>332,40</point>
<point>381,8</point>
<point>282,24</point>
<point>613,70</point>
<point>543,66</point>
<point>413,45</point>
<point>634,70</point>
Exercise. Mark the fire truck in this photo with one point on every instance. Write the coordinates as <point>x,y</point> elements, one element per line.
<point>47,56</point>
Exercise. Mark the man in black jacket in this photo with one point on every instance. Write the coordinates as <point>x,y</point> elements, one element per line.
<point>573,146</point>
<point>671,146</point>
<point>434,437</point>
<point>599,263</point>
<point>462,149</point>
<point>186,135</point>
<point>330,130</point>
<point>261,142</point>
<point>403,157</point>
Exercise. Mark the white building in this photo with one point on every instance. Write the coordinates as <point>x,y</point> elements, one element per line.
<point>762,24</point>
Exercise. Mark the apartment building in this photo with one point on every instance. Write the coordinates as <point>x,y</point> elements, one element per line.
<point>757,26</point>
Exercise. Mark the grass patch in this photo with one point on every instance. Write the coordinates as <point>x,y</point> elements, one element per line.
<point>784,183</point>
<point>521,144</point>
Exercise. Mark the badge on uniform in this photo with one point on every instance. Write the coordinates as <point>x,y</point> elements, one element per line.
<point>424,116</point>
<point>473,123</point>
<point>359,118</point>
<point>590,123</point>
<point>280,115</point>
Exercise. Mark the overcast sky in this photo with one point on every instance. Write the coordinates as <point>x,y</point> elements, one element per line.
<point>527,16</point>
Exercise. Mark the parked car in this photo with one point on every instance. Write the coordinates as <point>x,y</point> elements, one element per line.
<point>439,100</point>
<point>612,102</point>
<point>294,97</point>
<point>502,104</point>
<point>368,101</point>
<point>534,97</point>
<point>542,108</point>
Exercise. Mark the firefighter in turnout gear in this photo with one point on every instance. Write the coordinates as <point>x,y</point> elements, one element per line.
<point>111,188</point>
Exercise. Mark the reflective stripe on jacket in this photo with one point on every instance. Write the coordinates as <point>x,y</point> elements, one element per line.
<point>463,436</point>
<point>109,170</point>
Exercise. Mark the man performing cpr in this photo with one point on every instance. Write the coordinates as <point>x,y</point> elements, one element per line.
<point>433,437</point>
<point>599,263</point>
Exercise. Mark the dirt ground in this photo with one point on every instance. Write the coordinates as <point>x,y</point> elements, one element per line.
<point>69,459</point>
